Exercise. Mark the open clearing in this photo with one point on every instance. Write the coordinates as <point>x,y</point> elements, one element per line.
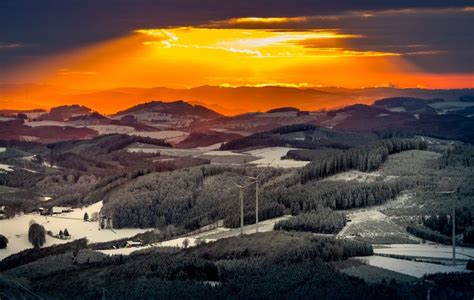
<point>265,157</point>
<point>359,176</point>
<point>208,236</point>
<point>372,226</point>
<point>271,157</point>
<point>16,229</point>
<point>430,250</point>
<point>5,168</point>
<point>412,268</point>
<point>375,274</point>
<point>173,135</point>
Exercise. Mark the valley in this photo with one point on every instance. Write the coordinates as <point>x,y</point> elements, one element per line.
<point>154,191</point>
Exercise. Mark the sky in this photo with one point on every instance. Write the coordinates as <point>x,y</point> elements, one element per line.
<point>96,45</point>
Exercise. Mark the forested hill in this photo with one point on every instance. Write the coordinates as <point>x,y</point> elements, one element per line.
<point>306,136</point>
<point>201,195</point>
<point>365,158</point>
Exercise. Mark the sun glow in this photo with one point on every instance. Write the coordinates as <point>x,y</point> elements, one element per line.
<point>184,57</point>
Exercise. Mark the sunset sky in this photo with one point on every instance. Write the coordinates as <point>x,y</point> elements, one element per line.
<point>97,45</point>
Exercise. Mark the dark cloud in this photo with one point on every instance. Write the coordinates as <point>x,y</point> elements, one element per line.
<point>437,41</point>
<point>44,27</point>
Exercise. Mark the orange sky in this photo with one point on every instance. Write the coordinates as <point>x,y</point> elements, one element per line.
<point>185,57</point>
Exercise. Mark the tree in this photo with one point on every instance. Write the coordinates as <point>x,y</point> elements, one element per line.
<point>86,216</point>
<point>61,233</point>
<point>185,243</point>
<point>3,242</point>
<point>38,159</point>
<point>37,235</point>
<point>66,233</point>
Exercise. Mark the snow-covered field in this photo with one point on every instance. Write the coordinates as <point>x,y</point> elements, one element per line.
<point>223,153</point>
<point>412,268</point>
<point>5,119</point>
<point>359,176</point>
<point>271,157</point>
<point>426,250</point>
<point>164,134</point>
<point>208,236</point>
<point>266,157</point>
<point>45,123</point>
<point>16,229</point>
<point>110,129</point>
<point>5,168</point>
<point>375,227</point>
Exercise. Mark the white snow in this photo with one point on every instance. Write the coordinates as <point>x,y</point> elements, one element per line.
<point>28,138</point>
<point>109,129</point>
<point>207,236</point>
<point>5,119</point>
<point>164,134</point>
<point>397,109</point>
<point>223,153</point>
<point>412,268</point>
<point>210,147</point>
<point>16,229</point>
<point>426,250</point>
<point>272,157</point>
<point>5,168</point>
<point>354,175</point>
<point>45,123</point>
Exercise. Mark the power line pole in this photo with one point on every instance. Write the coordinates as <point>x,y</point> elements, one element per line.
<point>256,205</point>
<point>453,219</point>
<point>241,196</point>
<point>241,211</point>
<point>454,233</point>
<point>256,178</point>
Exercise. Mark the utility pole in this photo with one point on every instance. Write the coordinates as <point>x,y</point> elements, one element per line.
<point>256,205</point>
<point>256,178</point>
<point>453,219</point>
<point>241,211</point>
<point>241,197</point>
<point>454,233</point>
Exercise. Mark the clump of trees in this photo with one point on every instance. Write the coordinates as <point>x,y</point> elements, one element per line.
<point>444,224</point>
<point>86,216</point>
<point>468,236</point>
<point>30,255</point>
<point>429,235</point>
<point>301,198</point>
<point>459,155</point>
<point>3,241</point>
<point>365,158</point>
<point>190,198</point>
<point>323,220</point>
<point>470,265</point>
<point>37,235</point>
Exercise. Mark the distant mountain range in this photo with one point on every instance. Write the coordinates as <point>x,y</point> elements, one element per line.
<point>188,125</point>
<point>224,100</point>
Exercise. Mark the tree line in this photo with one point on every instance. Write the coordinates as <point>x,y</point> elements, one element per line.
<point>323,220</point>
<point>365,158</point>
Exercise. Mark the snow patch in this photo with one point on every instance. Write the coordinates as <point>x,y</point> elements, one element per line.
<point>412,268</point>
<point>16,229</point>
<point>272,157</point>
<point>5,168</point>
